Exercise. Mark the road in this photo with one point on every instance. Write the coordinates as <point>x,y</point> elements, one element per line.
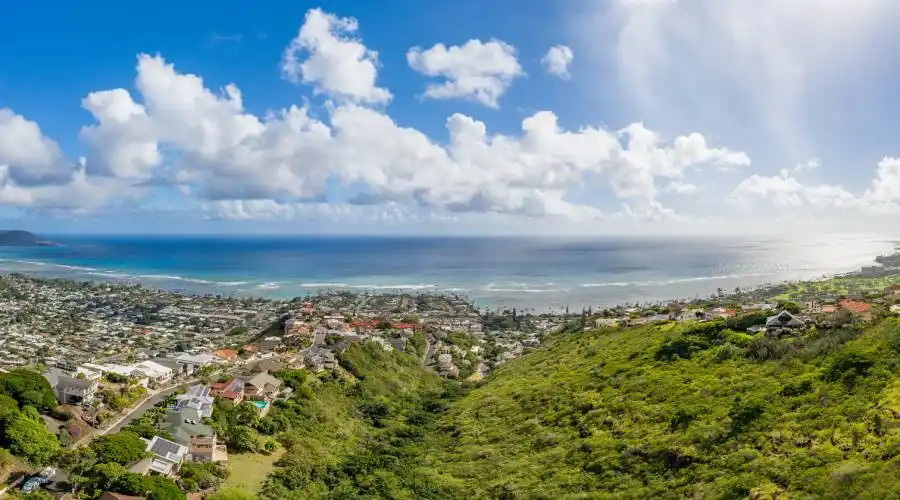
<point>429,351</point>
<point>140,410</point>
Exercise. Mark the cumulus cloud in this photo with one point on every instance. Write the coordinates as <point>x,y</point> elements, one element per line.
<point>29,157</point>
<point>786,191</point>
<point>680,187</point>
<point>477,71</point>
<point>219,152</point>
<point>557,59</point>
<point>176,133</point>
<point>327,55</point>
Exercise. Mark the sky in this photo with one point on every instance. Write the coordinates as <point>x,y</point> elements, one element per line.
<point>587,117</point>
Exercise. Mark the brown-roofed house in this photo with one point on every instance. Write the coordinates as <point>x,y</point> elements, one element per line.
<point>860,310</point>
<point>227,354</point>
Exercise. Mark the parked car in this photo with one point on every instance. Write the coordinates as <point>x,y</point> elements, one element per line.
<point>41,479</point>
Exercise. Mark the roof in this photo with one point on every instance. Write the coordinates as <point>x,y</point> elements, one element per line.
<point>181,430</point>
<point>199,359</point>
<point>783,319</point>
<point>263,378</point>
<point>166,449</point>
<point>153,369</point>
<point>226,353</point>
<point>856,306</point>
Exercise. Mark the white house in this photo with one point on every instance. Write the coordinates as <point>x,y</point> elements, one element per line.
<point>192,362</point>
<point>154,371</point>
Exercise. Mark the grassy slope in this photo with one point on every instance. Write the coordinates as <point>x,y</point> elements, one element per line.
<point>596,415</point>
<point>248,471</point>
<point>329,430</point>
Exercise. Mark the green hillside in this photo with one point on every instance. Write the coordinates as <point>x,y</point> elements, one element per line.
<point>623,414</point>
<point>362,431</point>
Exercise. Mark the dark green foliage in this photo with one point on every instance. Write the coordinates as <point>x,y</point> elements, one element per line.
<point>744,412</point>
<point>153,487</point>
<point>202,476</point>
<point>29,439</point>
<point>28,388</point>
<point>121,448</point>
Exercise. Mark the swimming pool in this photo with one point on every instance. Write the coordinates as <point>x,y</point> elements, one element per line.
<point>260,404</point>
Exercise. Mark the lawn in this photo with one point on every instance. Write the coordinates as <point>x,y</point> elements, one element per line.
<point>249,470</point>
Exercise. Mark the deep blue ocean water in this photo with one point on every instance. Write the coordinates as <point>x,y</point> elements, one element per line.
<point>536,273</point>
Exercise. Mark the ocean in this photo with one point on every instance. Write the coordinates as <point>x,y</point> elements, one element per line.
<point>528,273</point>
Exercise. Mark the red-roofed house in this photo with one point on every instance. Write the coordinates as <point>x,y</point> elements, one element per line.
<point>232,390</point>
<point>404,326</point>
<point>227,354</point>
<point>860,310</point>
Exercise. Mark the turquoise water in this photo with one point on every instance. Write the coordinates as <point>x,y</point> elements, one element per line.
<point>260,404</point>
<point>523,272</point>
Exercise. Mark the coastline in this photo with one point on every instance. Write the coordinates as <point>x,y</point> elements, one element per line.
<point>52,271</point>
<point>550,278</point>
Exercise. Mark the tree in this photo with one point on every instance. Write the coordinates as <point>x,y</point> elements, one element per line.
<point>28,388</point>
<point>122,448</point>
<point>245,413</point>
<point>243,438</point>
<point>106,475</point>
<point>791,307</point>
<point>153,487</point>
<point>8,407</point>
<point>30,440</point>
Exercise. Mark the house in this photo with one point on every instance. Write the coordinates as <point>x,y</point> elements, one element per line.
<point>165,458</point>
<point>232,390</point>
<point>192,362</point>
<point>72,390</point>
<point>197,436</point>
<point>783,322</point>
<point>318,359</point>
<point>155,372</point>
<point>262,387</point>
<point>227,355</point>
<point>197,402</point>
<point>860,310</point>
<point>892,291</point>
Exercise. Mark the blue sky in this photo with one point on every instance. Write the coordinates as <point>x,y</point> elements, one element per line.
<point>586,116</point>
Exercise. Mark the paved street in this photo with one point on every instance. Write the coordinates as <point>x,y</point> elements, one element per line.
<point>140,410</point>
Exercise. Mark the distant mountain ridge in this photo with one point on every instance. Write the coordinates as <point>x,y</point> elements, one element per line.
<point>20,238</point>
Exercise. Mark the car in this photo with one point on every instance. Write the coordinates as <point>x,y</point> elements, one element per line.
<point>35,482</point>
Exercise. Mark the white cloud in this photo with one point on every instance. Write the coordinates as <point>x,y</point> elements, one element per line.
<point>786,191</point>
<point>477,71</point>
<point>29,157</point>
<point>557,59</point>
<point>327,55</point>
<point>201,144</point>
<point>811,164</point>
<point>124,143</point>
<point>751,70</point>
<point>685,188</point>
<point>219,152</point>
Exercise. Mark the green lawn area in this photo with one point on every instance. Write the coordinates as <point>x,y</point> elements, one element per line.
<point>249,470</point>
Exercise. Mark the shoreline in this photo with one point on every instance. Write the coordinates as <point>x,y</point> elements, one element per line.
<point>231,289</point>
